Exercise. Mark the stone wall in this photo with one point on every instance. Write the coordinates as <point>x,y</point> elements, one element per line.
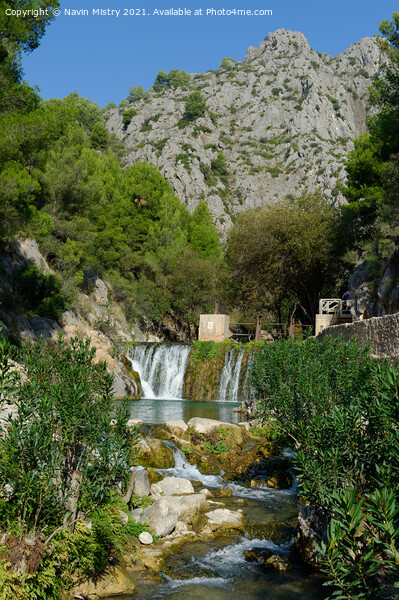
<point>382,333</point>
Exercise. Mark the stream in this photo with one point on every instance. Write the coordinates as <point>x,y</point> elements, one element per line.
<point>216,569</point>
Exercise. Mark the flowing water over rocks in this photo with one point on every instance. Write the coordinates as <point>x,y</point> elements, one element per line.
<point>230,566</point>
<point>252,560</point>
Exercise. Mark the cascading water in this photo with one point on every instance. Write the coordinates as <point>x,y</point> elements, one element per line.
<point>161,368</point>
<point>248,390</point>
<point>230,377</point>
<point>218,569</point>
<point>182,468</point>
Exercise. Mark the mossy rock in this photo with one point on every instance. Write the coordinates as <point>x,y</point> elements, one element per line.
<point>225,492</point>
<point>270,450</point>
<point>275,531</point>
<point>153,476</point>
<point>115,582</point>
<point>153,453</point>
<point>278,464</point>
<point>205,465</point>
<point>131,372</point>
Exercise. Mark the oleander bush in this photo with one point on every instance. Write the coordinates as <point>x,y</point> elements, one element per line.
<point>340,407</point>
<point>65,460</point>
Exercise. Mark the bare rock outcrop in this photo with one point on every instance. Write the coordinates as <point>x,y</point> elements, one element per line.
<point>283,119</point>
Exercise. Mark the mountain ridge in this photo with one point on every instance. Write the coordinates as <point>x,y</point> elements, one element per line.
<point>283,119</point>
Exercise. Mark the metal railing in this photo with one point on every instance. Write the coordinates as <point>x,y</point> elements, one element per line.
<point>242,331</point>
<point>329,305</point>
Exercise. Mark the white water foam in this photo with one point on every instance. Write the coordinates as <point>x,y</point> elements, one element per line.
<point>226,560</point>
<point>182,468</point>
<point>230,377</point>
<point>161,369</point>
<point>208,581</point>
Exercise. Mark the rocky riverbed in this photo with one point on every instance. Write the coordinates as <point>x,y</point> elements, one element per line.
<point>220,505</point>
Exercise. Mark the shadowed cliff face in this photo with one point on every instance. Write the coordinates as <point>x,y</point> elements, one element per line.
<point>283,121</point>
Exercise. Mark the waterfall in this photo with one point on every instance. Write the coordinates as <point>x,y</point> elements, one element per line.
<point>161,368</point>
<point>248,390</point>
<point>230,377</point>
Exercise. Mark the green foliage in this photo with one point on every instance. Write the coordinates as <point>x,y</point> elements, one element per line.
<point>128,116</point>
<point>195,107</point>
<point>272,262</point>
<point>372,166</point>
<point>227,63</point>
<point>136,93</point>
<point>61,182</point>
<point>19,34</point>
<point>219,168</point>
<point>54,476</point>
<point>362,551</point>
<point>65,450</point>
<point>38,293</point>
<point>341,409</point>
<point>214,442</point>
<point>173,79</point>
<point>203,237</point>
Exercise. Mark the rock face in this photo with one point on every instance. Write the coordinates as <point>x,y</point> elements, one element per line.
<point>161,517</point>
<point>153,453</point>
<point>222,518</point>
<point>375,294</point>
<point>141,483</point>
<point>283,119</point>
<point>115,582</point>
<point>312,527</point>
<point>202,425</point>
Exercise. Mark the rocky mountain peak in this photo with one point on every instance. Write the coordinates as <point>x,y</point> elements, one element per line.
<point>279,122</point>
<point>279,41</point>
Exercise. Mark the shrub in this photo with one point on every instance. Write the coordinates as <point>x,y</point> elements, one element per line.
<point>195,107</point>
<point>341,409</point>
<point>40,293</point>
<point>128,116</point>
<point>227,63</point>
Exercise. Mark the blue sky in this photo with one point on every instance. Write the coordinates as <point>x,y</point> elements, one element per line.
<point>100,57</point>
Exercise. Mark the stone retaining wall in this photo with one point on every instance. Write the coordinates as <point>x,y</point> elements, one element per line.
<point>382,333</point>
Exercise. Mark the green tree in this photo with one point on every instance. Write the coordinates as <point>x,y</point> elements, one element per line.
<point>136,93</point>
<point>173,79</point>
<point>193,286</point>
<point>195,106</point>
<point>25,33</point>
<point>128,116</point>
<point>203,237</point>
<point>273,260</point>
<point>372,187</point>
<point>227,63</point>
<point>99,136</point>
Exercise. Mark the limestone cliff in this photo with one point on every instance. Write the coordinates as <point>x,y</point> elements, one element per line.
<point>283,119</point>
<point>374,284</point>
